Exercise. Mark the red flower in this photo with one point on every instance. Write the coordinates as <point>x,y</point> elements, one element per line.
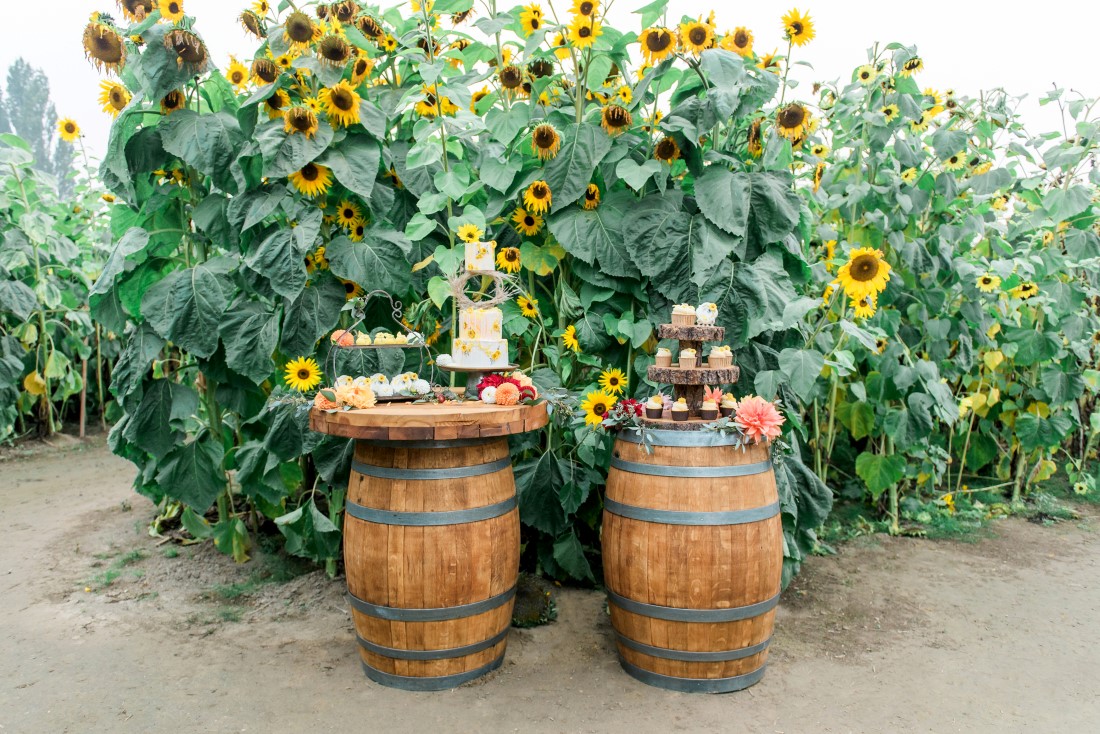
<point>630,405</point>
<point>495,381</point>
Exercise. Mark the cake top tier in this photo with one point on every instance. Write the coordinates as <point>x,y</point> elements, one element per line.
<point>691,333</point>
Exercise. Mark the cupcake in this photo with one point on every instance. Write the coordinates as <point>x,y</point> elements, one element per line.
<point>654,407</point>
<point>727,406</point>
<point>720,357</point>
<point>683,315</point>
<point>362,339</point>
<point>709,410</point>
<point>664,357</point>
<point>687,359</point>
<point>706,314</point>
<point>680,410</point>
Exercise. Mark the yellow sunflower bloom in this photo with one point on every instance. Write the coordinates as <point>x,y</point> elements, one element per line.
<point>299,31</point>
<point>302,374</point>
<point>591,198</point>
<point>113,97</point>
<point>988,283</point>
<point>739,41</point>
<point>537,198</point>
<point>657,44</point>
<point>955,162</point>
<point>348,214</point>
<point>508,259</point>
<point>69,130</point>
<point>910,176</point>
<point>912,66</point>
<point>312,180</point>
<point>866,273</point>
<point>470,233</point>
<point>596,405</point>
<point>358,231</point>
<point>865,307</point>
<point>275,105</point>
<point>341,103</point>
<point>920,124</point>
<point>237,74</point>
<point>300,119</point>
<point>1025,290</point>
<point>261,7</point>
<point>583,31</point>
<point>477,97</point>
<point>585,7</point>
<point>798,27</point>
<point>613,381</point>
<point>615,119</point>
<point>866,74</point>
<point>569,339</point>
<point>171,10</point>
<point>530,20</point>
<point>545,141</point>
<point>696,37</point>
<point>529,307</point>
<point>527,223</point>
<point>890,112</point>
<point>792,121</point>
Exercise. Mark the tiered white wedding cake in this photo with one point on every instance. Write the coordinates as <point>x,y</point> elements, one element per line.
<point>479,343</point>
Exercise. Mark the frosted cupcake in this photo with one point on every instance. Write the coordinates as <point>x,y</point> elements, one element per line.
<point>664,357</point>
<point>706,314</point>
<point>683,315</point>
<point>709,410</point>
<point>687,359</point>
<point>362,339</point>
<point>727,406</point>
<point>680,410</point>
<point>720,357</point>
<point>654,407</point>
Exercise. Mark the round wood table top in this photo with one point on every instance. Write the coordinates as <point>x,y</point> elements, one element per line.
<point>430,421</point>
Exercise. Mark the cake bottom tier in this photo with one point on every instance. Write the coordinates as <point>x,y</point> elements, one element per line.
<point>484,353</point>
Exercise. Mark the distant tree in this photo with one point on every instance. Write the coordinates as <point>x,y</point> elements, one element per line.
<point>27,111</point>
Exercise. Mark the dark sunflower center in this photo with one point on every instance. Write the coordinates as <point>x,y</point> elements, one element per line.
<point>616,116</point>
<point>173,100</point>
<point>361,67</point>
<point>540,68</point>
<point>349,214</point>
<point>698,35</point>
<point>535,24</point>
<point>70,127</point>
<point>986,280</point>
<point>584,32</point>
<point>529,221</point>
<point>511,77</point>
<point>586,8</point>
<point>912,64</point>
<point>299,28</point>
<point>792,116</point>
<point>864,268</point>
<point>310,172</point>
<point>511,255</point>
<point>344,11</point>
<point>599,409</point>
<point>740,39</point>
<point>796,28</point>
<point>349,287</point>
<point>613,381</point>
<point>265,70</point>
<point>301,119</point>
<point>173,8</point>
<point>865,75</point>
<point>591,194</point>
<point>666,148</point>
<point>335,49</point>
<point>303,374</point>
<point>544,137</point>
<point>658,41</point>
<point>369,27</point>
<point>341,100</point>
<point>107,47</point>
<point>188,47</point>
<point>539,191</point>
<point>117,98</point>
<point>359,230</point>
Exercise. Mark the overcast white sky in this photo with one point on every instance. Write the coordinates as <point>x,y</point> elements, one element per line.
<point>966,45</point>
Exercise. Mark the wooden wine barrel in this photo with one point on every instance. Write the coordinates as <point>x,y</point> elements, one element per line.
<point>693,558</point>
<point>431,549</point>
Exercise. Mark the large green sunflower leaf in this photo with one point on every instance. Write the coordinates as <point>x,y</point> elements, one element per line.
<point>378,262</point>
<point>760,205</point>
<point>250,332</point>
<point>192,473</point>
<point>354,162</point>
<point>186,307</point>
<point>280,261</point>
<point>569,173</point>
<point>597,235</point>
<point>206,142</point>
<point>141,349</point>
<point>311,315</point>
<point>284,154</point>
<point>151,425</point>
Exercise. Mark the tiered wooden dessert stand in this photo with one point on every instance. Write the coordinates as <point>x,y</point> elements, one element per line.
<point>688,382</point>
<point>431,537</point>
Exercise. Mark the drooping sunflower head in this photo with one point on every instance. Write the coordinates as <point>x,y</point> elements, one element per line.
<point>171,10</point>
<point>792,120</point>
<point>1025,290</point>
<point>341,103</point>
<point>667,150</point>
<point>191,53</point>
<point>68,129</point>
<point>508,259</point>
<point>172,101</point>
<point>113,97</point>
<point>369,27</point>
<point>596,406</point>
<point>265,71</point>
<point>104,47</point>
<point>545,141</point>
<point>312,179</point>
<point>657,44</point>
<point>461,17</point>
<point>696,37</point>
<point>819,172</point>
<point>591,198</point>
<point>769,62</point>
<point>755,141</point>
<point>300,119</point>
<point>276,104</point>
<point>798,27</point>
<point>344,11</point>
<point>135,11</point>
<point>252,23</point>
<point>615,119</point>
<point>334,51</point>
<point>299,30</point>
<point>360,69</point>
<point>527,223</point>
<point>511,77</point>
<point>302,374</point>
<point>739,41</point>
<point>540,68</point>
<point>912,66</point>
<point>537,198</point>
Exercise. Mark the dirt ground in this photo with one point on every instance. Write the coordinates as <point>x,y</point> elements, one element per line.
<point>104,631</point>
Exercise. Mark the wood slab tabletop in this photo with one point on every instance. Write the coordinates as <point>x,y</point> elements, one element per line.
<point>430,421</point>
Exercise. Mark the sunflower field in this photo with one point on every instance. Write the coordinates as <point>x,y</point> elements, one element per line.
<point>909,270</point>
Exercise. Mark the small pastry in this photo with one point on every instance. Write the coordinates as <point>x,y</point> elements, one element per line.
<point>709,410</point>
<point>382,390</point>
<point>654,407</point>
<point>378,379</point>
<point>664,357</point>
<point>683,315</point>
<point>361,381</point>
<point>706,314</point>
<point>720,357</point>
<point>444,360</point>
<point>401,339</point>
<point>680,410</point>
<point>342,381</point>
<point>728,405</point>
<point>362,339</point>
<point>687,359</point>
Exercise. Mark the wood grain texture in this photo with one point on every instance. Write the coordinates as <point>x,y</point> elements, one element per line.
<point>430,421</point>
<point>694,376</point>
<point>695,333</point>
<point>431,567</point>
<point>692,566</point>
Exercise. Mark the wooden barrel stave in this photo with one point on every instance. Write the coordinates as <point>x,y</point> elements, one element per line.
<point>405,561</point>
<point>700,572</point>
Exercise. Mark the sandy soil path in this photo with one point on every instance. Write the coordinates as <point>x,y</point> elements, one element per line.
<point>894,635</point>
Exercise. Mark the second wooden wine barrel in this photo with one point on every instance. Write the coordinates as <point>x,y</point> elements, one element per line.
<point>693,558</point>
<point>431,549</point>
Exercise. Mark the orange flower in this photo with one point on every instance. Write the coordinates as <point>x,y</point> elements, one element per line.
<point>759,420</point>
<point>320,402</point>
<point>507,394</point>
<point>343,338</point>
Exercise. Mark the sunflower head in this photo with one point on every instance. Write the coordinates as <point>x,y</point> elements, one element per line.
<point>469,233</point>
<point>537,198</point>
<point>613,381</point>
<point>104,47</point>
<point>68,129</point>
<point>798,27</point>
<point>348,214</point>
<point>113,97</point>
<point>351,289</point>
<point>615,119</point>
<point>569,338</point>
<point>171,10</point>
<point>865,274</point>
<point>312,179</point>
<point>586,7</point>
<point>591,198</point>
<point>302,374</point>
<point>912,66</point>
<point>361,69</point>
<point>545,141</point>
<point>508,259</point>
<point>596,406</point>
<point>172,101</point>
<point>755,141</point>
<point>135,11</point>
<point>334,51</point>
<point>344,11</point>
<point>511,77</point>
<point>583,31</point>
<point>299,30</point>
<point>190,51</point>
<point>657,44</point>
<point>540,68</point>
<point>696,37</point>
<point>300,119</point>
<point>527,223</point>
<point>341,102</point>
<point>528,306</point>
<point>792,120</point>
<point>252,23</point>
<point>265,70</point>
<point>667,150</point>
<point>739,41</point>
<point>369,27</point>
